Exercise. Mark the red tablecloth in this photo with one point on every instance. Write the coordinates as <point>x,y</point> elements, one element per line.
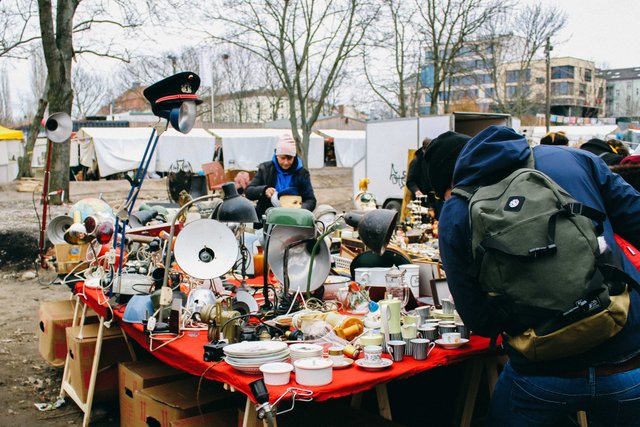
<point>186,354</point>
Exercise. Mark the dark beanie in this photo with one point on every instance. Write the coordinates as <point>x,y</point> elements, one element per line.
<point>441,156</point>
<point>555,138</point>
<point>602,150</point>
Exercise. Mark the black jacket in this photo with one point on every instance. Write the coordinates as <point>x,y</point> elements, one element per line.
<point>417,175</point>
<point>266,177</point>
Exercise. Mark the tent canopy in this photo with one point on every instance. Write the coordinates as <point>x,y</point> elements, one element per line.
<point>350,145</point>
<point>10,134</point>
<point>246,148</point>
<point>121,149</point>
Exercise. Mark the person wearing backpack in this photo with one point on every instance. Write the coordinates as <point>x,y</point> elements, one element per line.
<point>560,362</point>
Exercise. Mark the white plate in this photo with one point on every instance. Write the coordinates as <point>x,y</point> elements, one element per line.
<point>251,369</point>
<point>284,352</point>
<point>254,348</point>
<point>452,345</point>
<point>345,363</point>
<point>384,364</point>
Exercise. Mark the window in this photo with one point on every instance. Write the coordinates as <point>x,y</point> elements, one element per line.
<point>540,80</point>
<point>514,76</point>
<point>582,90</point>
<point>483,79</point>
<point>464,94</point>
<point>562,88</point>
<point>515,90</point>
<point>562,72</point>
<point>587,74</point>
<point>489,92</point>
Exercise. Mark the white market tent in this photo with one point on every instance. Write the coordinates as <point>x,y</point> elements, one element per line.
<point>121,149</point>
<point>39,157</point>
<point>350,145</point>
<point>576,134</point>
<point>246,148</point>
<point>10,150</point>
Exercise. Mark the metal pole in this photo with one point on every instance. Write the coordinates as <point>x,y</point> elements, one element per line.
<point>45,204</point>
<point>212,105</point>
<point>547,111</point>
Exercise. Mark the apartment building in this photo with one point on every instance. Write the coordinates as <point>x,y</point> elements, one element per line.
<point>623,92</point>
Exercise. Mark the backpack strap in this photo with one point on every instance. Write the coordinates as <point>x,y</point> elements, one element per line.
<point>465,191</point>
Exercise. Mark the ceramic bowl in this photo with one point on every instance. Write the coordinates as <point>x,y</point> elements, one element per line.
<point>276,373</point>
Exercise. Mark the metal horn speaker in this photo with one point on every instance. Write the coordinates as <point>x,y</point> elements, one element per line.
<point>57,227</point>
<point>206,249</point>
<point>299,257</point>
<point>58,127</point>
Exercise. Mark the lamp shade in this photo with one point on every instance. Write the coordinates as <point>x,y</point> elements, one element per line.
<point>374,227</point>
<point>290,216</point>
<point>235,208</point>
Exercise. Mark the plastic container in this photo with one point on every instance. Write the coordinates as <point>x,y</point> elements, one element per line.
<point>276,373</point>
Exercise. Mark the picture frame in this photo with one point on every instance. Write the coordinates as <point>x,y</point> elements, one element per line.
<point>440,291</point>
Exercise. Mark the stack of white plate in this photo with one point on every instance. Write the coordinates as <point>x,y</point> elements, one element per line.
<point>248,356</point>
<point>303,351</point>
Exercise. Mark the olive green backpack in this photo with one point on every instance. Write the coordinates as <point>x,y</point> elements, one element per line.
<point>537,257</point>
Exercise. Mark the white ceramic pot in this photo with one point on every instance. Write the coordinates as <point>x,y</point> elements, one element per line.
<point>276,373</point>
<point>314,371</point>
<point>412,277</point>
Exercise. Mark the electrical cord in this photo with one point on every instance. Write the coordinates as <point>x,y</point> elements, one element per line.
<point>200,385</point>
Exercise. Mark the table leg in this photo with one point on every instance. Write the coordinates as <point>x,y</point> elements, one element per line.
<point>469,391</point>
<point>582,419</point>
<point>356,400</point>
<point>384,408</point>
<point>491,368</point>
<point>250,415</point>
<point>94,374</point>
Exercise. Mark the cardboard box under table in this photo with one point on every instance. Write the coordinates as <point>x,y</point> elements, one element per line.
<point>81,351</point>
<point>55,317</point>
<point>134,376</point>
<point>162,404</point>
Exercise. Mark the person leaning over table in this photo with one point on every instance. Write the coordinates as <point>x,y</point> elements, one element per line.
<point>283,172</point>
<point>604,381</point>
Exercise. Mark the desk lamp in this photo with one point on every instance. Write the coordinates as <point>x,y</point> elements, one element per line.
<point>375,228</point>
<point>236,208</point>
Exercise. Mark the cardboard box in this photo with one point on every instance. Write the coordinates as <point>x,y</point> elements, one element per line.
<point>134,376</point>
<point>69,256</point>
<point>225,418</point>
<point>81,352</point>
<point>162,404</point>
<point>54,317</point>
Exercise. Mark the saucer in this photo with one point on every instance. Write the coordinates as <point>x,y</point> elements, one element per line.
<point>384,364</point>
<point>346,362</point>
<point>452,345</point>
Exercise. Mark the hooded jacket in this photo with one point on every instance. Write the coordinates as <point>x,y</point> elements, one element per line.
<point>491,156</point>
<point>267,176</point>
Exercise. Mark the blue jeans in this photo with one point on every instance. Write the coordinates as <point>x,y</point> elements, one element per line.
<point>521,401</point>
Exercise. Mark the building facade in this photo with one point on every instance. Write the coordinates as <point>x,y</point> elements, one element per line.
<point>623,92</point>
<point>485,84</point>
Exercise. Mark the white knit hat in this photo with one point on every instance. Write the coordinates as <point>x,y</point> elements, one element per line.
<point>286,146</point>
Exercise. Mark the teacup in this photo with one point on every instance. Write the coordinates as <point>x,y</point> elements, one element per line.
<point>411,320</point>
<point>428,332</point>
<point>421,348</point>
<point>373,354</point>
<point>396,349</point>
<point>451,337</point>
<point>371,339</point>
<point>336,354</point>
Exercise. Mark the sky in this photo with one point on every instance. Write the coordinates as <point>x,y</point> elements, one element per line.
<point>605,32</point>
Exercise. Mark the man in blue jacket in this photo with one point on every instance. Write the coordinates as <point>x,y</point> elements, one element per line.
<point>283,173</point>
<point>604,381</point>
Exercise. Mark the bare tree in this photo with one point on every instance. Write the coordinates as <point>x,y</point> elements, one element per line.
<point>447,25</point>
<point>6,116</point>
<point>395,86</point>
<point>307,42</point>
<point>17,18</point>
<point>517,39</point>
<point>59,52</point>
<point>90,92</point>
